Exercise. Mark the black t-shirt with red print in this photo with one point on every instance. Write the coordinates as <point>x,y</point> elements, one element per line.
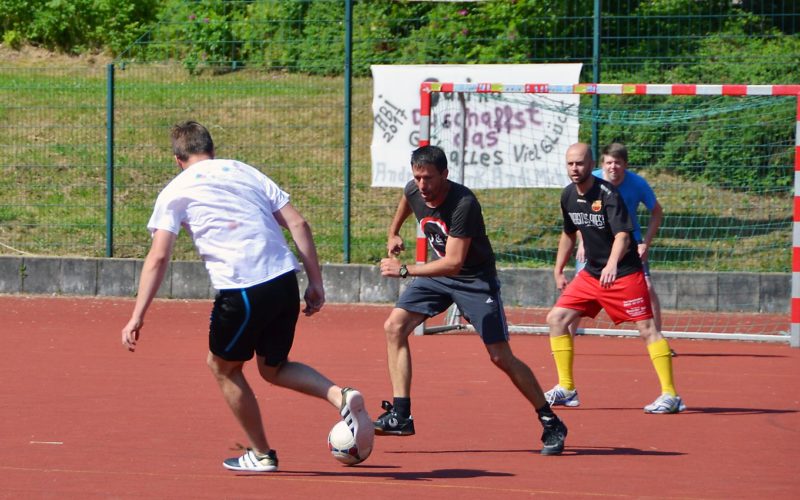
<point>460,216</point>
<point>599,215</point>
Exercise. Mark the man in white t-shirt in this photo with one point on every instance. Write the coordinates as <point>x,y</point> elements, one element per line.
<point>234,214</point>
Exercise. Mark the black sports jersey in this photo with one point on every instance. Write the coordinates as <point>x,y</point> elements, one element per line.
<point>459,215</point>
<point>599,215</point>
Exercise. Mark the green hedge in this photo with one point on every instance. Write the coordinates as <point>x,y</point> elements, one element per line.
<point>75,26</point>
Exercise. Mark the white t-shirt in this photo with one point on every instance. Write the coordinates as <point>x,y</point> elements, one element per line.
<point>227,206</point>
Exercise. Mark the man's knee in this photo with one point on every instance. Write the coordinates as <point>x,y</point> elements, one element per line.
<point>558,318</point>
<point>222,368</point>
<point>267,372</point>
<point>648,331</point>
<point>390,327</point>
<point>397,327</point>
<point>501,356</point>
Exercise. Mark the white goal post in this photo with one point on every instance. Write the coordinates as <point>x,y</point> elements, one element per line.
<point>428,91</point>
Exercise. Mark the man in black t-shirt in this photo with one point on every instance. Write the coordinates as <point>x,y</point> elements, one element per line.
<point>600,214</point>
<point>458,216</point>
<point>465,274</point>
<point>612,279</point>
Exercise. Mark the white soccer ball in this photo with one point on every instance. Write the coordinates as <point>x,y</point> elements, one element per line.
<point>342,444</point>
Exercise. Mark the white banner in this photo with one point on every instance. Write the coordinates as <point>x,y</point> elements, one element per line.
<point>525,150</point>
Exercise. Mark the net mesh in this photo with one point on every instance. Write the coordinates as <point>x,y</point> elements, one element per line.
<point>721,168</point>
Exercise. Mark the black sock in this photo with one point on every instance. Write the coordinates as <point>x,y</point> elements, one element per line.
<point>545,411</point>
<point>402,406</point>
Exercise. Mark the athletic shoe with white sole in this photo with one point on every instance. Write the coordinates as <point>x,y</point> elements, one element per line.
<point>558,396</point>
<point>390,423</point>
<point>553,436</point>
<point>253,462</point>
<point>666,403</point>
<point>357,419</point>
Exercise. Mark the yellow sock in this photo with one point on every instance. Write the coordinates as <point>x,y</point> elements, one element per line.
<point>563,353</point>
<point>661,357</point>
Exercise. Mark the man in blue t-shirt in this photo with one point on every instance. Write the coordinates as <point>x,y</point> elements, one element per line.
<point>634,190</point>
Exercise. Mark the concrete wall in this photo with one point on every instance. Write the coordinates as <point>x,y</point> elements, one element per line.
<point>750,292</point>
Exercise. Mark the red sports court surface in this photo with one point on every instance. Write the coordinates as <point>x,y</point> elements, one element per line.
<point>84,418</point>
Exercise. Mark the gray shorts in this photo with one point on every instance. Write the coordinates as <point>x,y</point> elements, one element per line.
<point>479,301</point>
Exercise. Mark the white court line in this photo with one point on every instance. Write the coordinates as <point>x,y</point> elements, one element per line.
<point>46,442</point>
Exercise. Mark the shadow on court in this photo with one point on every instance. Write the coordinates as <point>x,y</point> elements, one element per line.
<point>678,354</point>
<point>427,475</point>
<point>569,451</point>
<point>617,450</point>
<point>434,452</point>
<point>736,411</point>
<point>729,355</point>
<point>699,410</point>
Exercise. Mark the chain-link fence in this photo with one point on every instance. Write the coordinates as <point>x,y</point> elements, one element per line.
<point>52,175</point>
<point>269,79</point>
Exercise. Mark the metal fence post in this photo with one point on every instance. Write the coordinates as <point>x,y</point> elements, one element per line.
<point>596,78</point>
<point>348,75</point>
<point>110,160</point>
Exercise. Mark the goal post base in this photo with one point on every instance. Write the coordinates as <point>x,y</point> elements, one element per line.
<point>608,332</point>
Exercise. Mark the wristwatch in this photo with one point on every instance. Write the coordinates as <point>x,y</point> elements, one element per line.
<point>403,271</point>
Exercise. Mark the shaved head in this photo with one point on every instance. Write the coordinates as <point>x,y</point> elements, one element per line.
<point>580,149</point>
<point>579,163</point>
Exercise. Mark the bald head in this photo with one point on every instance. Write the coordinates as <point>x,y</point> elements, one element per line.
<point>579,149</point>
<point>579,162</point>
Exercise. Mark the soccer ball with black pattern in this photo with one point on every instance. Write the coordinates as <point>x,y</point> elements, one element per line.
<point>342,445</point>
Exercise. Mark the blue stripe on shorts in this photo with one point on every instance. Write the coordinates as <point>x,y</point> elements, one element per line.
<point>239,332</point>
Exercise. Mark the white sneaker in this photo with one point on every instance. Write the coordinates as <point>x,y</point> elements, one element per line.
<point>558,396</point>
<point>253,462</point>
<point>666,403</point>
<point>356,417</point>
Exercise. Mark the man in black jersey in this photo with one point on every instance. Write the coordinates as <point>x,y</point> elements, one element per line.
<point>465,274</point>
<point>612,279</point>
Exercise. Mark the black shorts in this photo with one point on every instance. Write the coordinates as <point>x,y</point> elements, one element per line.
<point>479,301</point>
<point>261,318</point>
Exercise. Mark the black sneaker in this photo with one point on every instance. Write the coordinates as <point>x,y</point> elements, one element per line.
<point>392,424</point>
<point>553,436</point>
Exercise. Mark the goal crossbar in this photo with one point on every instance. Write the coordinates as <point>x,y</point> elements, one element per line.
<point>633,89</point>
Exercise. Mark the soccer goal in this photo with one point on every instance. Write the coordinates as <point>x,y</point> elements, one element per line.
<point>722,159</point>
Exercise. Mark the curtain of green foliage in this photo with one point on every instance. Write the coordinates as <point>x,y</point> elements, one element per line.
<point>76,25</point>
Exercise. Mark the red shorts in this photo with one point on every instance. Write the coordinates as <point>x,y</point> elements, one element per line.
<point>626,300</point>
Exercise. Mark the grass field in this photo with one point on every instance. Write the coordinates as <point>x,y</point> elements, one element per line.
<point>54,170</point>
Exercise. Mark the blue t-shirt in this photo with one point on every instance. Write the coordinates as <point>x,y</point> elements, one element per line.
<point>634,189</point>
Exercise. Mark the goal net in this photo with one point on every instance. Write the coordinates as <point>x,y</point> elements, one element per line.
<point>719,158</point>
